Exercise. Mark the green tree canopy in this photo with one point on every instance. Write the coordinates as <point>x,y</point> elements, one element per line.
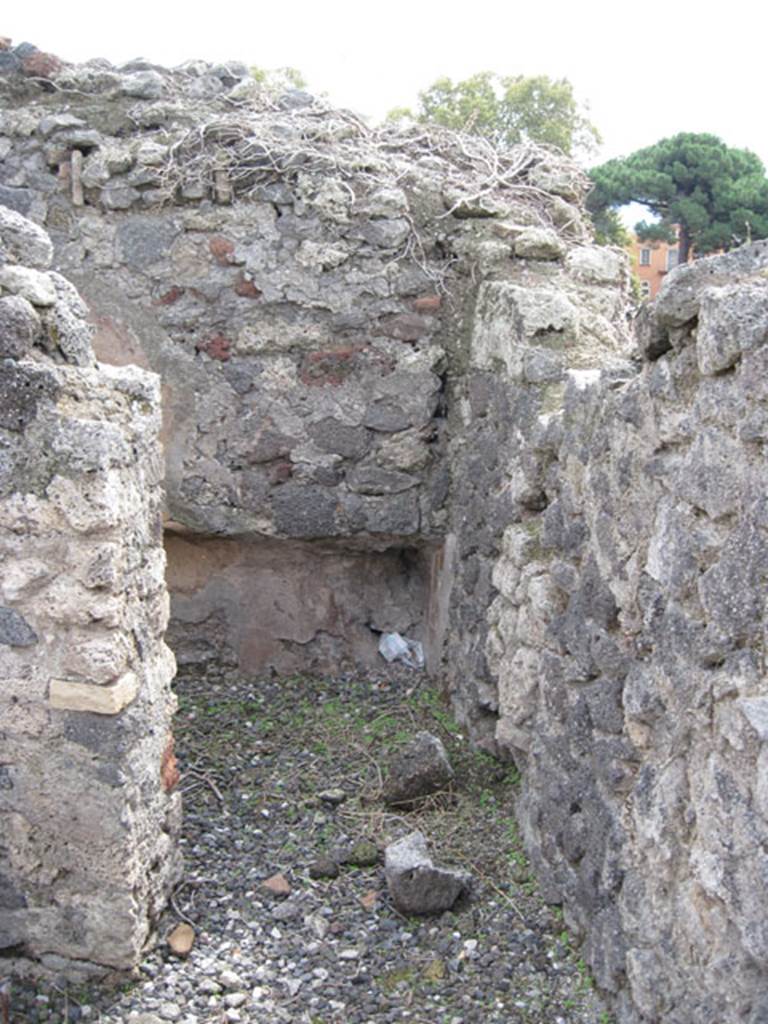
<point>717,195</point>
<point>279,79</point>
<point>508,110</point>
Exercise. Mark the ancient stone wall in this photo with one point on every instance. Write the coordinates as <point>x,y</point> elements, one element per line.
<point>306,288</point>
<point>399,393</point>
<point>629,643</point>
<point>90,821</point>
<point>532,321</point>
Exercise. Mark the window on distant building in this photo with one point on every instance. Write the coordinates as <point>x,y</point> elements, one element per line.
<point>645,289</point>
<point>672,258</point>
<point>645,257</point>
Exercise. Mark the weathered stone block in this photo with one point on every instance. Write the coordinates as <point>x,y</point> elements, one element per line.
<point>419,770</point>
<point>388,416</point>
<point>732,319</point>
<point>41,65</point>
<point>19,327</point>
<point>19,200</point>
<point>374,480</point>
<point>404,327</point>
<point>507,315</point>
<point>711,476</point>
<point>15,631</point>
<point>98,660</point>
<point>22,241</point>
<point>415,884</point>
<point>398,514</point>
<point>144,85</point>
<point>597,264</point>
<point>22,389</point>
<point>304,511</point>
<point>143,240</point>
<point>680,298</point>
<point>36,286</point>
<point>539,244</point>
<point>331,435</point>
<point>70,695</point>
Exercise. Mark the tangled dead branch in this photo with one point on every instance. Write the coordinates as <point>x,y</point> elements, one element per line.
<point>259,147</point>
<point>324,155</point>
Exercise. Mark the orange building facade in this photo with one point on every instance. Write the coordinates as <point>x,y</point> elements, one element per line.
<point>651,262</point>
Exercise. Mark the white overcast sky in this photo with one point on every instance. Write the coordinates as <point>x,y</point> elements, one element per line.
<point>647,70</point>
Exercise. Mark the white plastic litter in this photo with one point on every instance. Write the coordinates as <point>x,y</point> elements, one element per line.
<point>394,647</point>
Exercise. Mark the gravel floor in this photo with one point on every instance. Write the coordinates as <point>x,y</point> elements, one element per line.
<point>258,761</point>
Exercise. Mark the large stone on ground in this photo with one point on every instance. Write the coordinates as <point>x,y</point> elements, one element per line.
<point>415,884</point>
<point>417,771</point>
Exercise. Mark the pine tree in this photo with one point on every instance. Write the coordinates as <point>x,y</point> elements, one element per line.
<point>717,197</point>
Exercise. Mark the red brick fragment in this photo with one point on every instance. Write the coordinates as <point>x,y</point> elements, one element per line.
<point>427,304</point>
<point>245,287</point>
<point>280,472</point>
<point>278,885</point>
<point>41,65</point>
<point>369,900</point>
<point>169,771</point>
<point>172,295</point>
<point>222,250</point>
<point>329,366</point>
<point>217,347</point>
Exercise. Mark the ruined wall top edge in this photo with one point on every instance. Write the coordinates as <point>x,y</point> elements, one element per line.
<point>149,136</point>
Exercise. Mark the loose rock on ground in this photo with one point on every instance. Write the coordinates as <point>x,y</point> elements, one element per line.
<point>255,759</point>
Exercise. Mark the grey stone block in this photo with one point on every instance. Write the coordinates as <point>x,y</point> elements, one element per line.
<point>415,884</point>
<point>304,511</point>
<point>22,388</point>
<point>15,631</point>
<point>144,85</point>
<point>373,480</point>
<point>335,437</point>
<point>22,241</point>
<point>398,514</point>
<point>419,770</point>
<point>143,240</point>
<point>19,327</point>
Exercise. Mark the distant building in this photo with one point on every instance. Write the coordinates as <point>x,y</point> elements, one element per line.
<point>650,262</point>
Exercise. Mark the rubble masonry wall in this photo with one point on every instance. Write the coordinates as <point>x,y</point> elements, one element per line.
<point>90,820</point>
<point>400,392</point>
<point>629,646</point>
